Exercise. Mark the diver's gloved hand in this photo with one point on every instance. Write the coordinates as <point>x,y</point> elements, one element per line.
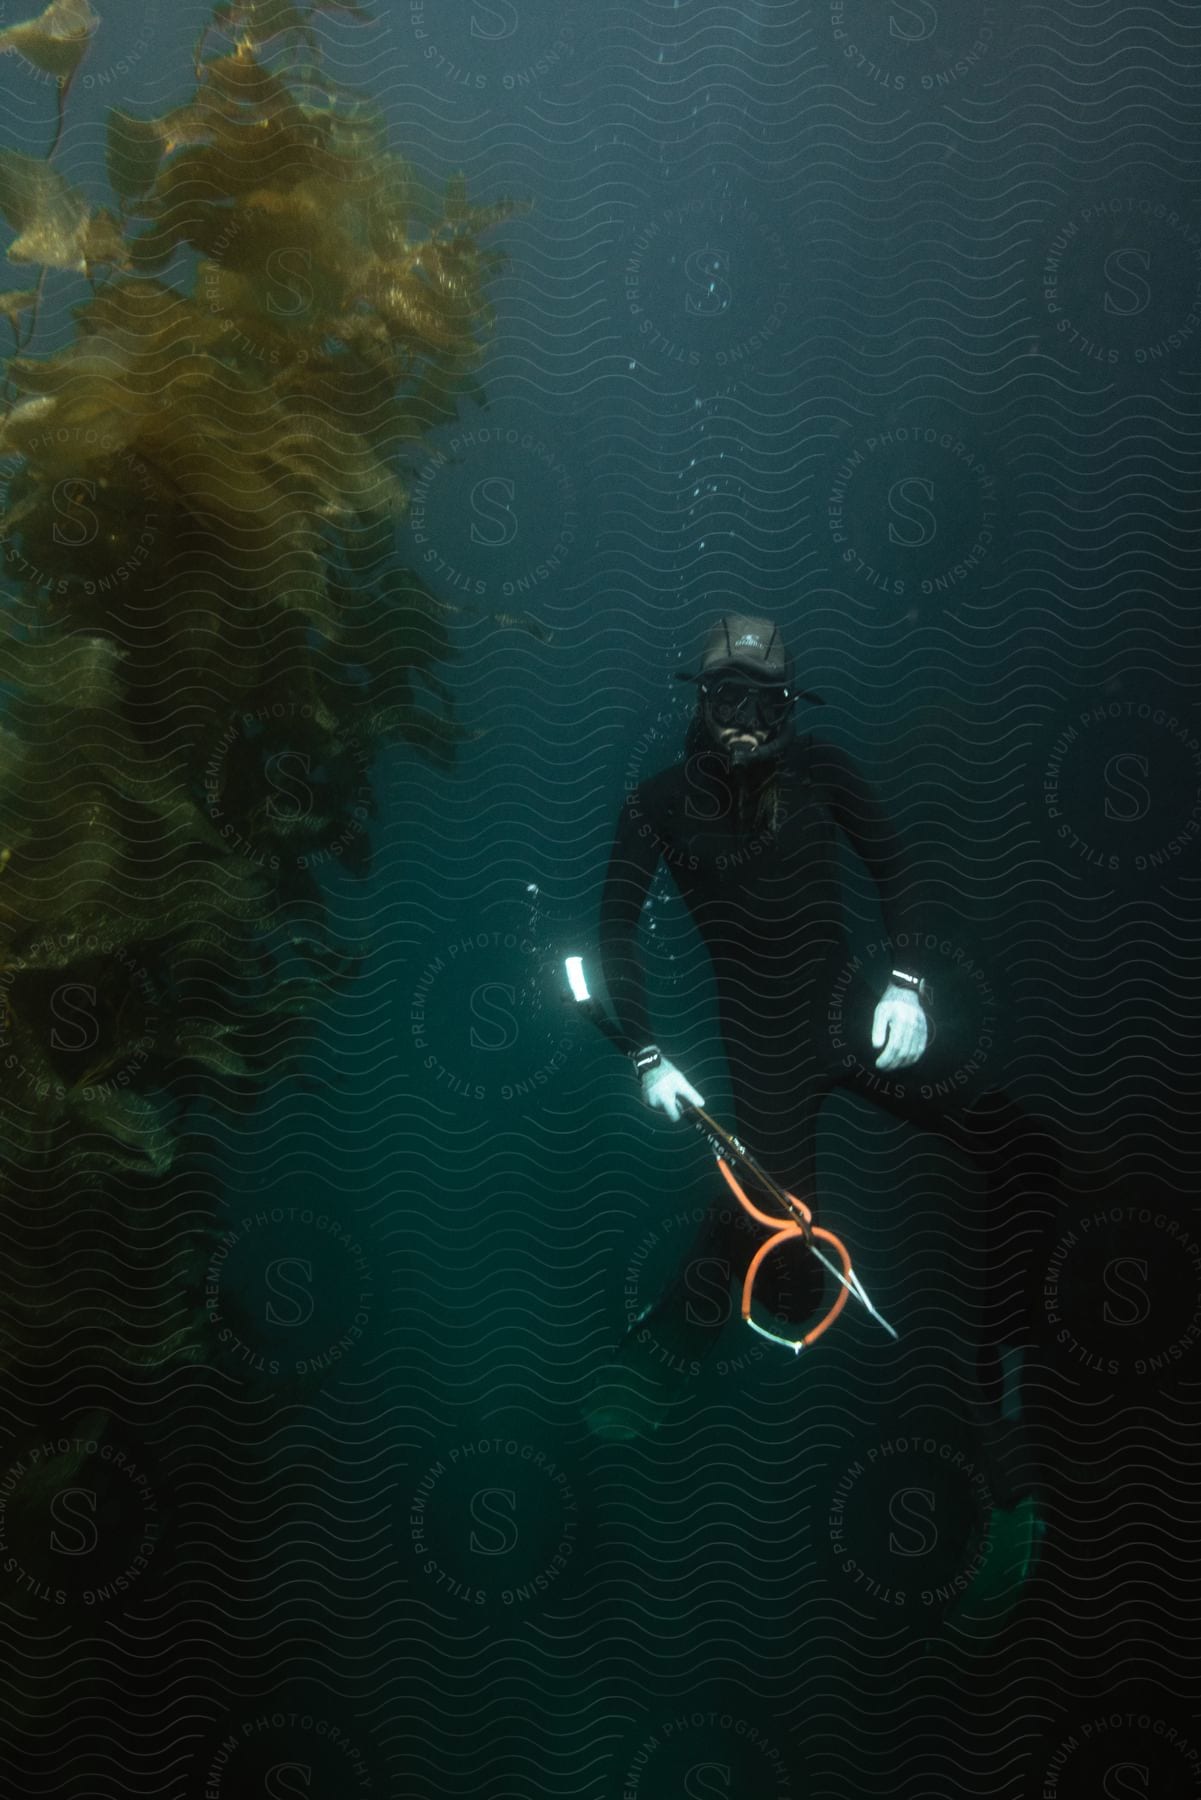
<point>663,1087</point>
<point>899,1029</point>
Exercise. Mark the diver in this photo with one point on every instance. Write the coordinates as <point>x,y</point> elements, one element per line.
<point>749,826</point>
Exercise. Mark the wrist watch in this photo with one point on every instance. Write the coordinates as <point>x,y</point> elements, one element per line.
<point>646,1059</point>
<point>921,987</point>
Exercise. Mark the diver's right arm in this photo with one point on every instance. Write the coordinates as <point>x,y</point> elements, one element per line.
<point>632,864</point>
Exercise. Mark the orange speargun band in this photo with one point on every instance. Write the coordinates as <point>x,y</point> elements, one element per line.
<point>796,1223</point>
<point>785,1232</point>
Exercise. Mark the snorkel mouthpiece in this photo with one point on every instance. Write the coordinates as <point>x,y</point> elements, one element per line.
<point>746,755</point>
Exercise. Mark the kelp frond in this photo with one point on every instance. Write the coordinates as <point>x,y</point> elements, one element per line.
<point>57,40</point>
<point>189,477</point>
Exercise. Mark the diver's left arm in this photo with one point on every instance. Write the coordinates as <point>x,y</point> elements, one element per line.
<point>900,1029</point>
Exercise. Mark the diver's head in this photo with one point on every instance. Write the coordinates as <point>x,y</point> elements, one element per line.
<point>746,695</point>
<point>744,718</point>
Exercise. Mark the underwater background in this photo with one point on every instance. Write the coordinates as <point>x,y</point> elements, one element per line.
<point>881,320</point>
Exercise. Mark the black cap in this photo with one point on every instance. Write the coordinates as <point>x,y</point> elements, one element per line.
<point>752,648</point>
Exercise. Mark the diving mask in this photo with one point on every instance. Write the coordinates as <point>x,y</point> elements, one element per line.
<point>752,704</point>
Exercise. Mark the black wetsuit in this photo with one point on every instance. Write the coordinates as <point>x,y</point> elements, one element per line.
<point>795,1008</point>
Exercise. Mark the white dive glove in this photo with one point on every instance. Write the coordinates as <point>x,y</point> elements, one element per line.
<point>663,1087</point>
<point>899,1029</point>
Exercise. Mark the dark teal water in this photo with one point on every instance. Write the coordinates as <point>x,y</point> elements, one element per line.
<point>884,321</point>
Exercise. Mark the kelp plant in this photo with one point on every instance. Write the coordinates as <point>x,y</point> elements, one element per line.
<point>196,491</point>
